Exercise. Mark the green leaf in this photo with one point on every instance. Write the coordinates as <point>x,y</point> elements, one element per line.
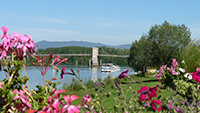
<point>10,96</point>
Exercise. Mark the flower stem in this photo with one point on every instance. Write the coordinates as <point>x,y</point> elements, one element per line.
<point>26,76</point>
<point>53,71</point>
<point>44,80</point>
<point>29,94</point>
<point>6,66</point>
<point>11,77</point>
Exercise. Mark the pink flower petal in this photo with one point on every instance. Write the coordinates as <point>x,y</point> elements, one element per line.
<point>67,99</point>
<point>16,97</point>
<point>142,89</point>
<point>15,91</point>
<point>143,97</point>
<point>1,83</point>
<point>74,108</point>
<point>73,97</point>
<point>64,108</point>
<point>24,49</point>
<point>56,104</point>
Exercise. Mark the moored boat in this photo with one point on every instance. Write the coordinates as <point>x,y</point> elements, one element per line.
<point>109,67</point>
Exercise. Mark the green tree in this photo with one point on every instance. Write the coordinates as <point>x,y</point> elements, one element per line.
<point>159,46</point>
<point>140,54</point>
<point>167,39</point>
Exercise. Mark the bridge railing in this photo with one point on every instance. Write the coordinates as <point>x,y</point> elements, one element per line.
<point>113,55</point>
<point>65,54</point>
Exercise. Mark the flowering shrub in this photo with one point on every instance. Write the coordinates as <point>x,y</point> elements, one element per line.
<point>168,74</point>
<point>186,84</point>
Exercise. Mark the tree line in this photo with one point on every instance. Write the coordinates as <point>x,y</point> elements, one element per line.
<point>159,46</point>
<point>84,60</point>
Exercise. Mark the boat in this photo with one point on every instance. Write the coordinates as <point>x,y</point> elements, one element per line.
<point>109,67</point>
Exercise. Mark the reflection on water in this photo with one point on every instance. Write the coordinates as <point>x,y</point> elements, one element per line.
<point>94,74</point>
<point>35,77</point>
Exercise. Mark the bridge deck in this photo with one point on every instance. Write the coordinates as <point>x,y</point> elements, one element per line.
<point>101,55</point>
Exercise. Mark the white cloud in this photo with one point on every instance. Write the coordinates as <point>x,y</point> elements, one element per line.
<point>45,34</point>
<point>36,18</point>
<point>44,30</point>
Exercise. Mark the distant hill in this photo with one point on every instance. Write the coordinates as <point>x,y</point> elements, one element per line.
<point>47,44</point>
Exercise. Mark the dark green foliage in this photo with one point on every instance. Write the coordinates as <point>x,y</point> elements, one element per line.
<point>167,40</point>
<point>140,54</point>
<point>15,83</point>
<point>159,46</point>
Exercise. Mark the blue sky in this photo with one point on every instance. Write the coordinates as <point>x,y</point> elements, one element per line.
<point>112,22</point>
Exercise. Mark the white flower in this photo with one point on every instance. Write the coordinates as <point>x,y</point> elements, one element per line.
<point>190,77</point>
<point>182,70</point>
<point>183,62</point>
<point>186,75</point>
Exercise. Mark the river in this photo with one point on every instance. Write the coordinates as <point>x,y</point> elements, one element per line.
<point>92,73</point>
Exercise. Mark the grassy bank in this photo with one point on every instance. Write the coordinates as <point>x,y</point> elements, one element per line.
<point>129,88</point>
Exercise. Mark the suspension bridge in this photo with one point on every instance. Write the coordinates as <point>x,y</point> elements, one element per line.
<point>95,54</point>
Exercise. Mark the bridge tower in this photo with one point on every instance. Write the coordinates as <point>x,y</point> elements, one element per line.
<point>95,52</point>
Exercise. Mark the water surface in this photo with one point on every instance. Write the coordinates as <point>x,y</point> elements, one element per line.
<point>92,73</point>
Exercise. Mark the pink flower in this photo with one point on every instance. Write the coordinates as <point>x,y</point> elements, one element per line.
<point>63,72</point>
<point>24,43</point>
<point>170,105</point>
<point>69,107</point>
<point>143,89</point>
<point>116,83</point>
<point>198,69</point>
<point>51,80</point>
<point>123,74</point>
<point>98,84</point>
<point>24,100</point>
<point>3,51</point>
<point>196,76</point>
<point>143,97</point>
<point>178,110</point>
<point>16,43</point>
<point>4,30</point>
<point>173,71</point>
<point>158,76</point>
<point>44,66</point>
<point>53,102</point>
<point>174,63</point>
<point>85,100</point>
<point>154,103</point>
<point>151,92</point>
<point>146,104</point>
<point>162,69</point>
<point>31,111</point>
<point>1,83</point>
